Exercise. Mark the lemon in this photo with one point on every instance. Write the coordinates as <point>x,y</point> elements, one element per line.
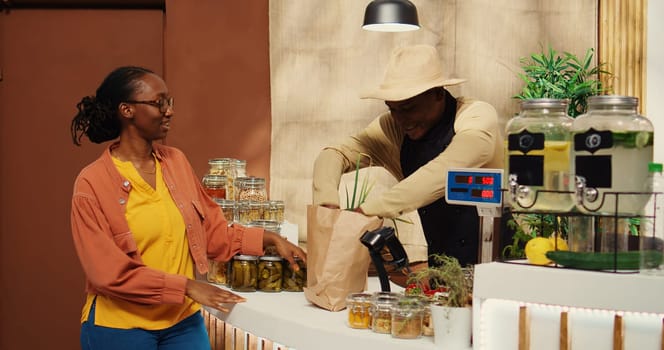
<point>558,243</point>
<point>536,249</point>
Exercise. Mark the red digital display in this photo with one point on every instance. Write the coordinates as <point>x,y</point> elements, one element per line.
<point>478,193</point>
<point>484,180</point>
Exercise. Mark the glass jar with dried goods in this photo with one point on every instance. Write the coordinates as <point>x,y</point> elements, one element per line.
<point>253,188</point>
<point>240,167</point>
<point>225,167</point>
<point>218,272</point>
<point>229,208</point>
<point>407,314</point>
<point>381,311</point>
<point>244,273</point>
<point>248,211</point>
<point>270,273</point>
<point>275,211</point>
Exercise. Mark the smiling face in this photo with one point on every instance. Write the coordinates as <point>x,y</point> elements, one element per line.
<point>418,114</point>
<point>144,114</point>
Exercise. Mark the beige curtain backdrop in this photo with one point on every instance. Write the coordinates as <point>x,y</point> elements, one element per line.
<point>321,60</point>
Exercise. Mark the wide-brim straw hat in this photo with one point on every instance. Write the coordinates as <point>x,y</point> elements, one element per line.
<point>411,71</point>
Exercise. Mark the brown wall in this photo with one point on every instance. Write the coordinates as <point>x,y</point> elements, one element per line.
<point>214,55</point>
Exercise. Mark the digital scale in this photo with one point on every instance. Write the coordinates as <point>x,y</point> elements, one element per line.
<point>481,188</point>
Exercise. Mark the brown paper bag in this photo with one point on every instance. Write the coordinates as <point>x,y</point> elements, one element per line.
<point>337,262</point>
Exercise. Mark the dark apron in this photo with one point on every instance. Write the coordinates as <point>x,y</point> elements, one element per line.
<point>449,229</point>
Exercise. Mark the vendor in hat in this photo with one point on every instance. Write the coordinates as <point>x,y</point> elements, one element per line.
<point>425,132</point>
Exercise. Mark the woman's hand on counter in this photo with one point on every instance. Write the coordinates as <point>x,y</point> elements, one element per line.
<point>286,249</point>
<point>209,295</point>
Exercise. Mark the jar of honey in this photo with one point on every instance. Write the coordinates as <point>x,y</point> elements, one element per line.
<point>215,186</point>
<point>359,306</point>
<point>244,273</point>
<point>270,273</point>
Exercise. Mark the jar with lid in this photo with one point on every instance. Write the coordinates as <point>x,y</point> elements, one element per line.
<point>270,273</point>
<point>359,310</point>
<point>244,273</point>
<point>295,281</point>
<point>248,211</point>
<point>269,226</point>
<point>218,272</point>
<point>613,145</point>
<point>215,186</point>
<point>224,166</point>
<point>381,311</point>
<point>240,167</point>
<point>540,173</point>
<point>228,207</point>
<point>275,211</point>
<point>253,188</point>
<point>407,315</point>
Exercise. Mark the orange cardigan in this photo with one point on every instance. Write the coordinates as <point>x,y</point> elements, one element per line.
<point>105,245</point>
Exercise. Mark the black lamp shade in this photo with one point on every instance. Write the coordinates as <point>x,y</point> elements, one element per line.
<point>391,16</point>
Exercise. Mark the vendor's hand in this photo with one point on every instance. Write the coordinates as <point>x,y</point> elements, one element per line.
<point>209,295</point>
<point>286,249</point>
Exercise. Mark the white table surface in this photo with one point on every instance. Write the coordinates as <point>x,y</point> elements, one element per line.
<point>289,319</point>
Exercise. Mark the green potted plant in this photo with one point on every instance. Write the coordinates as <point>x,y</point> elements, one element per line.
<point>550,74</point>
<point>448,289</point>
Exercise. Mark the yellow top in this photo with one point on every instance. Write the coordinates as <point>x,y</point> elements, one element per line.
<point>159,232</point>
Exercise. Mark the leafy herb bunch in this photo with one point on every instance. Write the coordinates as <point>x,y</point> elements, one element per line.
<point>446,284</point>
<point>562,76</point>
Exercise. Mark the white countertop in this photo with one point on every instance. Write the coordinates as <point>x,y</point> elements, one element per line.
<point>289,319</point>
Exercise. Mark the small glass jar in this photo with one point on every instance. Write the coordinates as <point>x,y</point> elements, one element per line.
<point>240,167</point>
<point>381,311</point>
<point>253,188</point>
<point>215,186</point>
<point>228,207</point>
<point>218,272</point>
<point>267,225</point>
<point>224,166</point>
<point>244,274</point>
<point>540,173</point>
<point>275,211</point>
<point>407,315</point>
<point>295,281</point>
<point>359,310</point>
<point>248,211</point>
<point>270,273</point>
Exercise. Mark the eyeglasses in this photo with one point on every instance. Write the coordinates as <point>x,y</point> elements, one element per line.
<point>162,103</point>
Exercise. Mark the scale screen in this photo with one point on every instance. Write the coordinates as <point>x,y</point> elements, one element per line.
<point>481,187</point>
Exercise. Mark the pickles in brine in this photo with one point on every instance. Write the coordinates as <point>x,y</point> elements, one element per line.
<point>270,274</point>
<point>244,273</point>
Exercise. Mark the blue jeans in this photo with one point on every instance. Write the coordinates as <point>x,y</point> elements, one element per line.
<point>188,334</point>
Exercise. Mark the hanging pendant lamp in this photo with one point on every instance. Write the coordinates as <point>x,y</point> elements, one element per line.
<point>391,16</point>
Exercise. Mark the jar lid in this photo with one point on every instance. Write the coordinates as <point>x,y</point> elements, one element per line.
<point>219,161</point>
<point>539,103</point>
<point>612,100</point>
<point>253,181</point>
<point>277,203</point>
<point>271,258</point>
<point>224,203</point>
<point>269,225</point>
<point>246,257</point>
<point>214,179</point>
<point>240,162</point>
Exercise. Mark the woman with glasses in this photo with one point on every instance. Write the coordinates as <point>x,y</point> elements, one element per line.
<point>143,226</point>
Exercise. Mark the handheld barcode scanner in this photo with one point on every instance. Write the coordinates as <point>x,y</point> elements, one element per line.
<point>378,239</point>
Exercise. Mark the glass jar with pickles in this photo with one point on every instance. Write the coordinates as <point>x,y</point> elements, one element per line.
<point>295,281</point>
<point>270,273</point>
<point>538,167</point>
<point>359,310</point>
<point>244,273</point>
